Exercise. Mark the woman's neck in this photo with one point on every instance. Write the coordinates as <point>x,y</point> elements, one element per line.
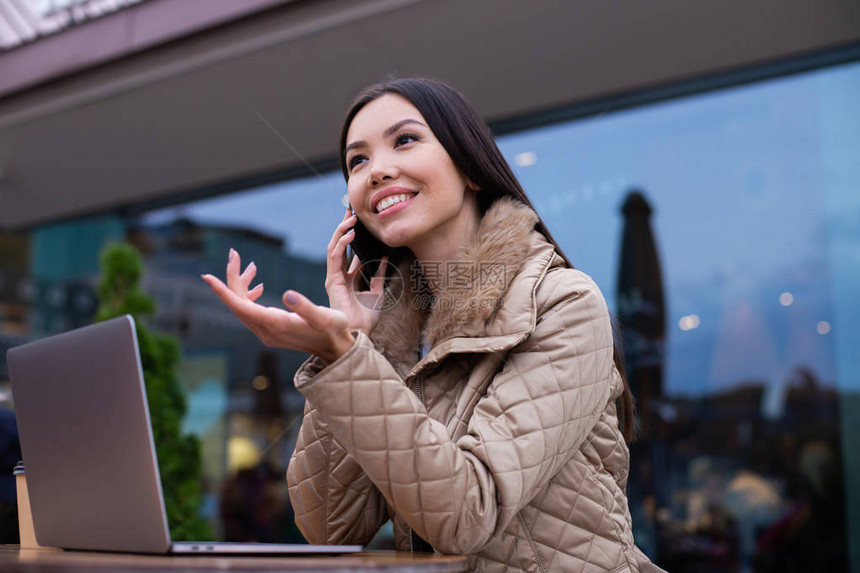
<point>444,247</point>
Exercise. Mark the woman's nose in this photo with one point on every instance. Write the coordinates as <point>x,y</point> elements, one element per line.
<point>382,172</point>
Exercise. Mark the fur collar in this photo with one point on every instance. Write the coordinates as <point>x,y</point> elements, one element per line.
<point>462,306</point>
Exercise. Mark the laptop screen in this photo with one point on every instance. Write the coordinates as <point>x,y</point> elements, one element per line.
<point>86,439</point>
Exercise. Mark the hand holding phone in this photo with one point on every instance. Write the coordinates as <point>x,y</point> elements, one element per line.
<point>358,299</point>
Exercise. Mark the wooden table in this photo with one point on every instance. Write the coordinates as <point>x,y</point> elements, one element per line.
<point>14,560</point>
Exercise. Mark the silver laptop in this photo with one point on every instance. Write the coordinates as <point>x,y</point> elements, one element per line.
<point>92,472</point>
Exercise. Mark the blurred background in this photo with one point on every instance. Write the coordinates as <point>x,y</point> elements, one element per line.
<point>701,161</point>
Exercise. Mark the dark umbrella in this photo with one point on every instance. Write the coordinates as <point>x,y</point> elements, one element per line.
<point>642,315</point>
<point>641,310</point>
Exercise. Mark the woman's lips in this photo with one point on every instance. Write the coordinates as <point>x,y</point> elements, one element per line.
<point>396,207</point>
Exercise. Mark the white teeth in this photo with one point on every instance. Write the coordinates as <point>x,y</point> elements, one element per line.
<point>389,201</point>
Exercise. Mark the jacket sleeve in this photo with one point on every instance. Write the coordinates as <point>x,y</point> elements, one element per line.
<point>334,501</point>
<point>538,410</point>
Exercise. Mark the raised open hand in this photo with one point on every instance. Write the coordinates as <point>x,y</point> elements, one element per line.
<point>302,326</point>
<point>360,307</point>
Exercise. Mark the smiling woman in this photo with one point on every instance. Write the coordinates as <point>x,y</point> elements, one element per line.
<point>438,211</point>
<point>484,410</point>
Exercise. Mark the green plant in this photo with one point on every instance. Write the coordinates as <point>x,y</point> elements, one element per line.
<point>179,459</point>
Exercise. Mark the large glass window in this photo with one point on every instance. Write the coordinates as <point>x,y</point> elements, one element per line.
<point>723,230</point>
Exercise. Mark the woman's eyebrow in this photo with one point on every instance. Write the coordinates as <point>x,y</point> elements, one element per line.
<point>386,133</point>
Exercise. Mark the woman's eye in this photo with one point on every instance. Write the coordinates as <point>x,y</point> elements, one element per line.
<point>355,160</point>
<point>405,138</point>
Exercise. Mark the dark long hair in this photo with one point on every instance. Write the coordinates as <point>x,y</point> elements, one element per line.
<point>469,142</point>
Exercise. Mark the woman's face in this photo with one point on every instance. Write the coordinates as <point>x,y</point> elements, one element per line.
<point>402,183</point>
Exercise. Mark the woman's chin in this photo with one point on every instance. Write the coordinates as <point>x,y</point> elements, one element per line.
<point>396,238</point>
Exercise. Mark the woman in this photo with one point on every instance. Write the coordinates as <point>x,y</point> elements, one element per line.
<point>473,402</point>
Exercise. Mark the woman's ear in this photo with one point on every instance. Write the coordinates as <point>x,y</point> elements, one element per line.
<point>470,185</point>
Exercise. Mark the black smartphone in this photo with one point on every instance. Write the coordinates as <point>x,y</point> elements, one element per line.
<point>359,248</point>
<point>352,250</point>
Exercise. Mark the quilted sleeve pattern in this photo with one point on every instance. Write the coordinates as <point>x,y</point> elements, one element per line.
<point>537,412</point>
<point>333,499</point>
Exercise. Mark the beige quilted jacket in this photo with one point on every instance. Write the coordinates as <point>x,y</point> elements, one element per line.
<point>501,444</point>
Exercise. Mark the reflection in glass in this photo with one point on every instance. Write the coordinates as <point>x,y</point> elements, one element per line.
<point>745,429</point>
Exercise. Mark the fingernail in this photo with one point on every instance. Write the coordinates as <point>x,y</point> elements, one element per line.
<point>291,297</point>
<point>231,256</point>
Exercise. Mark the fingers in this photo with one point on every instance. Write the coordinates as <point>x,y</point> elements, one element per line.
<point>252,315</point>
<point>248,275</point>
<point>240,283</point>
<point>348,221</point>
<point>225,293</point>
<point>255,292</point>
<point>343,234</point>
<point>308,328</point>
<point>234,265</point>
<point>353,275</point>
<point>219,288</point>
<point>319,318</point>
<point>377,283</point>
<point>230,299</point>
<point>354,266</point>
<point>344,241</point>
